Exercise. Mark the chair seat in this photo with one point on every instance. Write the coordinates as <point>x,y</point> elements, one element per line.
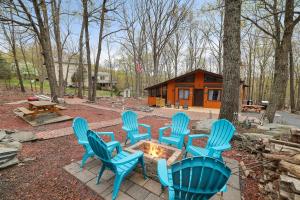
<point>141,136</point>
<point>125,167</point>
<point>170,139</point>
<point>198,151</point>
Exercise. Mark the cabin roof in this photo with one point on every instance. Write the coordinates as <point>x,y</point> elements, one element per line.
<point>184,75</point>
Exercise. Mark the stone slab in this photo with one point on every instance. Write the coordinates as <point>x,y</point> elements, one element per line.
<point>13,161</point>
<point>72,168</point>
<point>153,186</point>
<point>98,188</point>
<point>84,176</point>
<point>2,135</point>
<point>121,196</point>
<point>23,136</point>
<point>152,197</point>
<point>138,192</point>
<point>138,179</point>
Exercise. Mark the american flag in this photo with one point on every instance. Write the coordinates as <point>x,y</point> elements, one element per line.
<point>139,68</point>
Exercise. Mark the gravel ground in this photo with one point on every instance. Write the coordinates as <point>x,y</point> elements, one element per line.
<point>8,120</point>
<point>44,177</point>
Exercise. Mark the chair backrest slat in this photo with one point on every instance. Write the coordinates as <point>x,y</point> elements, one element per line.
<point>130,121</point>
<point>221,133</point>
<point>180,122</point>
<point>80,128</point>
<point>100,148</point>
<point>199,177</point>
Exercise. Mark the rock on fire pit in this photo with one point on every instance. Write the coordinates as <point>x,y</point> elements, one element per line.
<point>153,151</point>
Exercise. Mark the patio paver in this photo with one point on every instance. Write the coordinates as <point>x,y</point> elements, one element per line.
<point>135,187</point>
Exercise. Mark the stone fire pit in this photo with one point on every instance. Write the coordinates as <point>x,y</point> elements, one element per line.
<point>153,151</point>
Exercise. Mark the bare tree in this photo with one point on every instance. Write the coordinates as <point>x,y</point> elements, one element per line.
<point>163,18</point>
<point>281,34</point>
<point>231,59</point>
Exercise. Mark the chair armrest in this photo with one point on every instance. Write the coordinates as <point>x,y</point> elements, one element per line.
<point>129,158</point>
<point>145,125</point>
<point>222,148</point>
<point>186,132</point>
<point>162,129</point>
<point>83,142</point>
<point>114,144</point>
<point>195,136</point>
<point>162,172</point>
<point>125,129</point>
<point>111,134</point>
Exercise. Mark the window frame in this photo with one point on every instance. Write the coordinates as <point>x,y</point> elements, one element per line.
<point>183,90</point>
<point>220,93</point>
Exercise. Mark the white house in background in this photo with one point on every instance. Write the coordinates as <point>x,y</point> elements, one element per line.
<point>70,68</point>
<point>104,80</point>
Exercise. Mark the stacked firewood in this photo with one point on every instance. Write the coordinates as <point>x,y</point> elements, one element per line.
<point>281,170</point>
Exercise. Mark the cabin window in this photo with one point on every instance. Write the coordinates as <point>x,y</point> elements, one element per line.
<point>184,94</point>
<point>214,95</point>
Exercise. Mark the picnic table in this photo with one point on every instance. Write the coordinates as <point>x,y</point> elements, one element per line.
<point>38,107</point>
<point>256,108</point>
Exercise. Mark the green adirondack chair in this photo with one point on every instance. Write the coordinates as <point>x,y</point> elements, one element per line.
<point>193,178</point>
<point>121,164</point>
<point>179,129</point>
<point>218,140</point>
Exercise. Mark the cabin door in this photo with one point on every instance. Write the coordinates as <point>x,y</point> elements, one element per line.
<point>198,97</point>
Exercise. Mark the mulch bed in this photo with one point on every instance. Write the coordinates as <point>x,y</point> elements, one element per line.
<point>8,120</point>
<point>44,177</point>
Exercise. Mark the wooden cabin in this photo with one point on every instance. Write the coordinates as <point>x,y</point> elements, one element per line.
<point>197,88</point>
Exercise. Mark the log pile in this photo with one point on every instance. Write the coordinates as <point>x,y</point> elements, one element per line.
<point>281,171</point>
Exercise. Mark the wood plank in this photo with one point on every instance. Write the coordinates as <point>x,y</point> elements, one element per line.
<point>60,107</point>
<point>25,111</point>
<point>41,103</point>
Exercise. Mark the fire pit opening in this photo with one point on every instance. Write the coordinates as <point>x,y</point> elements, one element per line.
<point>155,150</point>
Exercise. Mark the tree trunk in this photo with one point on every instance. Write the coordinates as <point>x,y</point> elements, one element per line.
<point>298,97</point>
<point>279,85</point>
<point>102,18</point>
<point>26,65</point>
<point>292,85</point>
<point>45,41</point>
<point>231,59</point>
<point>55,7</point>
<point>87,45</point>
<point>80,66</point>
<point>12,41</point>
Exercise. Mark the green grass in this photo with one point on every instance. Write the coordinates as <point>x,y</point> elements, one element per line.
<point>15,83</point>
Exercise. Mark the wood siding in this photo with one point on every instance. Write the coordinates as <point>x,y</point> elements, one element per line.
<point>173,88</point>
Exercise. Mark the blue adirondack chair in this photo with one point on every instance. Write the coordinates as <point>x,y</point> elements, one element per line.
<point>218,140</point>
<point>80,128</point>
<point>131,127</point>
<point>193,178</point>
<point>121,164</point>
<point>179,129</point>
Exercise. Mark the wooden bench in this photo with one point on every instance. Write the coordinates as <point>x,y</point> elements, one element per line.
<point>25,111</point>
<point>60,107</point>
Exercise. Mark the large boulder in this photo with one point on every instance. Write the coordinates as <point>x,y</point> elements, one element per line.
<point>203,126</point>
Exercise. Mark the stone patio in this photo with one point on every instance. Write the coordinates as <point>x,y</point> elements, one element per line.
<point>135,187</point>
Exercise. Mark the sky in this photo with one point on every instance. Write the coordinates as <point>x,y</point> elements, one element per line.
<point>74,23</point>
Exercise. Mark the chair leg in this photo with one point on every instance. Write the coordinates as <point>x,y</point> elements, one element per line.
<point>117,184</point>
<point>84,159</point>
<point>185,154</point>
<point>143,166</point>
<point>100,173</point>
